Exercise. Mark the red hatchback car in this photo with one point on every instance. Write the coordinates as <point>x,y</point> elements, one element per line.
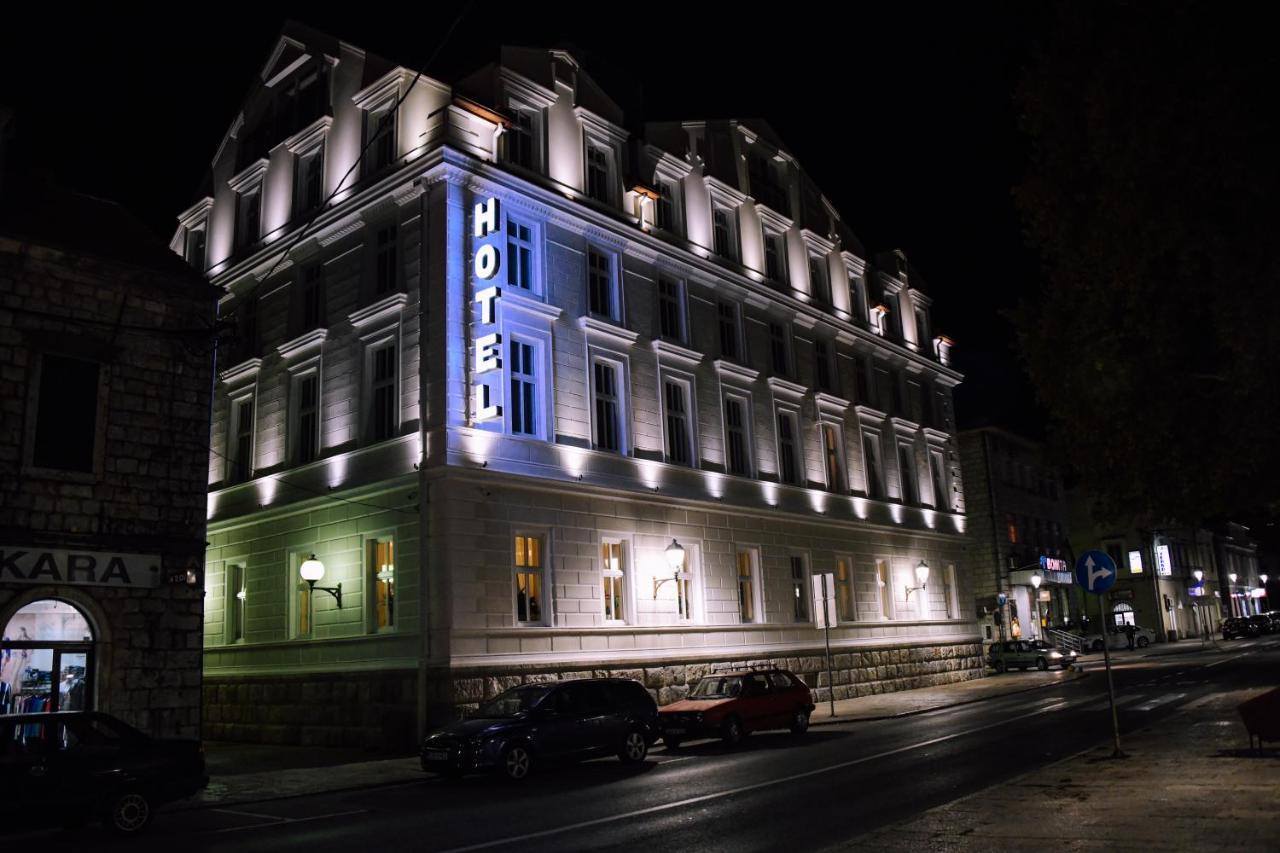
<point>729,705</point>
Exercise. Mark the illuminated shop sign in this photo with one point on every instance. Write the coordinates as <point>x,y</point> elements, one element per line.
<point>78,568</point>
<point>1164,565</point>
<point>1135,562</point>
<point>487,384</point>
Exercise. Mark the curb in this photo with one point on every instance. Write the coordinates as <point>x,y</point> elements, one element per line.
<point>830,721</point>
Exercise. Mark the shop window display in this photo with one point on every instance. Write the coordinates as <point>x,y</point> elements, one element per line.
<point>46,660</point>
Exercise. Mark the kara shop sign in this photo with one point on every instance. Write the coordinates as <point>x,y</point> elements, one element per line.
<point>487,367</point>
<point>78,568</point>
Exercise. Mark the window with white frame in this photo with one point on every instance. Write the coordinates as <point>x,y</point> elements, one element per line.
<point>386,272</point>
<point>380,138</point>
<point>907,473</point>
<point>819,279</point>
<point>249,216</point>
<point>789,456</point>
<point>240,457</point>
<point>844,590</point>
<point>602,295</point>
<point>949,600</point>
<point>195,249</point>
<point>823,369</point>
<point>730,322</point>
<point>857,297</point>
<point>724,235</point>
<point>780,349</point>
<point>606,395</point>
<point>530,560</point>
<point>775,257</point>
<point>524,404</point>
<point>938,470</point>
<point>669,205</point>
<point>520,255</point>
<point>833,457</point>
<point>304,424</point>
<point>748,566</point>
<point>672,325</point>
<point>799,589</point>
<point>737,435</point>
<point>383,401</point>
<point>677,409</point>
<point>237,601</point>
<point>884,586</point>
<point>613,556</point>
<point>380,570</point>
<point>873,465</point>
<point>308,180</point>
<point>520,140</point>
<point>599,172</point>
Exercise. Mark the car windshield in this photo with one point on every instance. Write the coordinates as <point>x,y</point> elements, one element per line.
<point>717,687</point>
<point>512,702</point>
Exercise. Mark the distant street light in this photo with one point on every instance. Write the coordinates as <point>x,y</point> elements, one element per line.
<point>1036,580</point>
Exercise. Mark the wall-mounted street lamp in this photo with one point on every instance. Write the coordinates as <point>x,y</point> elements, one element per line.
<point>1263,578</point>
<point>675,559</point>
<point>922,578</point>
<point>1198,575</point>
<point>312,571</point>
<point>1232,577</point>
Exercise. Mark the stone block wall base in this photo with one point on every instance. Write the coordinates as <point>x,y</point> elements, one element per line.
<point>368,710</point>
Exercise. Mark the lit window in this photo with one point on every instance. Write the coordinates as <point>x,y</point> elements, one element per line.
<point>678,422</point>
<point>306,418</point>
<point>380,554</point>
<point>671,320</point>
<point>833,458</point>
<point>737,440</point>
<point>747,609</point>
<point>303,617</point>
<point>614,573</point>
<point>600,295</point>
<point>241,461</point>
<point>883,582</point>
<point>949,591</point>
<point>386,274</point>
<point>844,590</point>
<point>1011,525</point>
<point>799,590</point>
<point>519,258</point>
<point>788,448</point>
<point>529,586</point>
<point>383,400</point>
<point>605,389</point>
<point>237,595</point>
<point>524,388</point>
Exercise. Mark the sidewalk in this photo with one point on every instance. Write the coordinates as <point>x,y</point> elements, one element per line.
<point>242,773</point>
<point>1188,784</point>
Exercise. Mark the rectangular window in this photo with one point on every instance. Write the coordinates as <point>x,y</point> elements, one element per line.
<point>520,138</point>
<point>383,400</point>
<point>895,389</point>
<point>788,448</point>
<point>380,555</point>
<point>66,414</point>
<point>747,609</point>
<point>600,299</point>
<point>236,604</point>
<point>922,328</point>
<point>874,469</point>
<point>519,255</point>
<point>671,320</point>
<point>195,252</point>
<point>730,331</point>
<point>780,349</point>
<point>822,365</point>
<point>386,273</point>
<point>799,590</point>
<point>907,473</point>
<point>833,458</point>
<point>679,432</point>
<point>775,256</point>
<point>884,583</point>
<point>598,172</point>
<point>844,590</point>
<point>723,234</point>
<point>529,585</point>
<point>608,426</point>
<point>306,418</point>
<point>308,181</point>
<point>938,470</point>
<point>736,438</point>
<point>380,137</point>
<point>949,591</point>
<point>524,388</point>
<point>1011,526</point>
<point>241,462</point>
<point>250,217</point>
<point>312,298</point>
<point>862,381</point>
<point>668,200</point>
<point>819,281</point>
<point>614,573</point>
<point>303,615</point>
<point>246,316</point>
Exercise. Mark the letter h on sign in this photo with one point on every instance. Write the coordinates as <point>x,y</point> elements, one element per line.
<point>488,345</point>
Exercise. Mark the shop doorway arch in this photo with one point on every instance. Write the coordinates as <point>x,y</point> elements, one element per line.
<point>47,659</point>
<point>1122,614</point>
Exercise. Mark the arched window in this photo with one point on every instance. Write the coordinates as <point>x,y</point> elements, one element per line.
<point>46,659</point>
<point>1122,614</point>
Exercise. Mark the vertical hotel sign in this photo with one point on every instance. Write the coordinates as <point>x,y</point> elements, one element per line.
<point>487,366</point>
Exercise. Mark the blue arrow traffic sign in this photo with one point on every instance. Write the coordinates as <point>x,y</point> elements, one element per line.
<point>1095,571</point>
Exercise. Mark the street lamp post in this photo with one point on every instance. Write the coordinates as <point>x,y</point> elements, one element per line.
<point>1232,594</point>
<point>1036,580</point>
<point>1204,626</point>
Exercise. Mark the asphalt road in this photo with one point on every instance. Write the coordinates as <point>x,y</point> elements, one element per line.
<point>775,791</point>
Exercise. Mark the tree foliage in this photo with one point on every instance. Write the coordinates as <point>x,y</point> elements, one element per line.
<point>1151,196</point>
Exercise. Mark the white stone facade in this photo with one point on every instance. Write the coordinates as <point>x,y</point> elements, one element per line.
<point>662,371</point>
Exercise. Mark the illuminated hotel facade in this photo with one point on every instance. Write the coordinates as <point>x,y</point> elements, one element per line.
<point>516,353</point>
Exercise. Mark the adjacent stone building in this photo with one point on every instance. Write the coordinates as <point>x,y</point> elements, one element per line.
<point>106,366</point>
<point>521,394</point>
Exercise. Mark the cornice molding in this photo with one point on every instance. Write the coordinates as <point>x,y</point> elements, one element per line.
<point>733,370</point>
<point>603,329</point>
<point>384,87</point>
<point>867,414</point>
<point>786,390</point>
<point>378,312</point>
<point>902,426</point>
<point>773,220</point>
<point>512,300</point>
<point>674,353</point>
<point>249,175</point>
<point>312,134</point>
<point>830,404</point>
<point>245,371</point>
<point>307,344</point>
<point>935,436</point>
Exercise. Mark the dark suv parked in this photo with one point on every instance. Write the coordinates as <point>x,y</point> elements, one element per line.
<point>74,767</point>
<point>547,721</point>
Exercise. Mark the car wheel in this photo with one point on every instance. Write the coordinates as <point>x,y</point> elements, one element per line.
<point>1042,664</point>
<point>800,722</point>
<point>1066,664</point>
<point>731,731</point>
<point>671,742</point>
<point>128,812</point>
<point>1143,642</point>
<point>634,748</point>
<point>999,665</point>
<point>1097,645</point>
<point>517,761</point>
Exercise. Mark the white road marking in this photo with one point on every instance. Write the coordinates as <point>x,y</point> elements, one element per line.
<point>1158,701</point>
<point>1224,660</point>
<point>719,795</point>
<point>276,820</point>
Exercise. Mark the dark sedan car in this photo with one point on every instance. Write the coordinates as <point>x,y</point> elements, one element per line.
<point>74,767</point>
<point>547,721</point>
<point>1238,626</point>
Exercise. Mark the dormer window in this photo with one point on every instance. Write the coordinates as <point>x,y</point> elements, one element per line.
<point>599,172</point>
<point>775,257</point>
<point>308,180</point>
<point>380,138</point>
<point>249,216</point>
<point>819,281</point>
<point>521,137</point>
<point>194,250</point>
<point>668,206</point>
<point>723,234</point>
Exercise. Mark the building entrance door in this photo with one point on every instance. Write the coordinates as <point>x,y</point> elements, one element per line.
<point>46,660</point>
<point>1122,614</point>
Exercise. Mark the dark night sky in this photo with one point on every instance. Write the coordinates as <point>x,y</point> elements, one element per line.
<point>905,117</point>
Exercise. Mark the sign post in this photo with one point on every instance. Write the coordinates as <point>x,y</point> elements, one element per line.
<point>1002,599</point>
<point>1096,573</point>
<point>824,600</point>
